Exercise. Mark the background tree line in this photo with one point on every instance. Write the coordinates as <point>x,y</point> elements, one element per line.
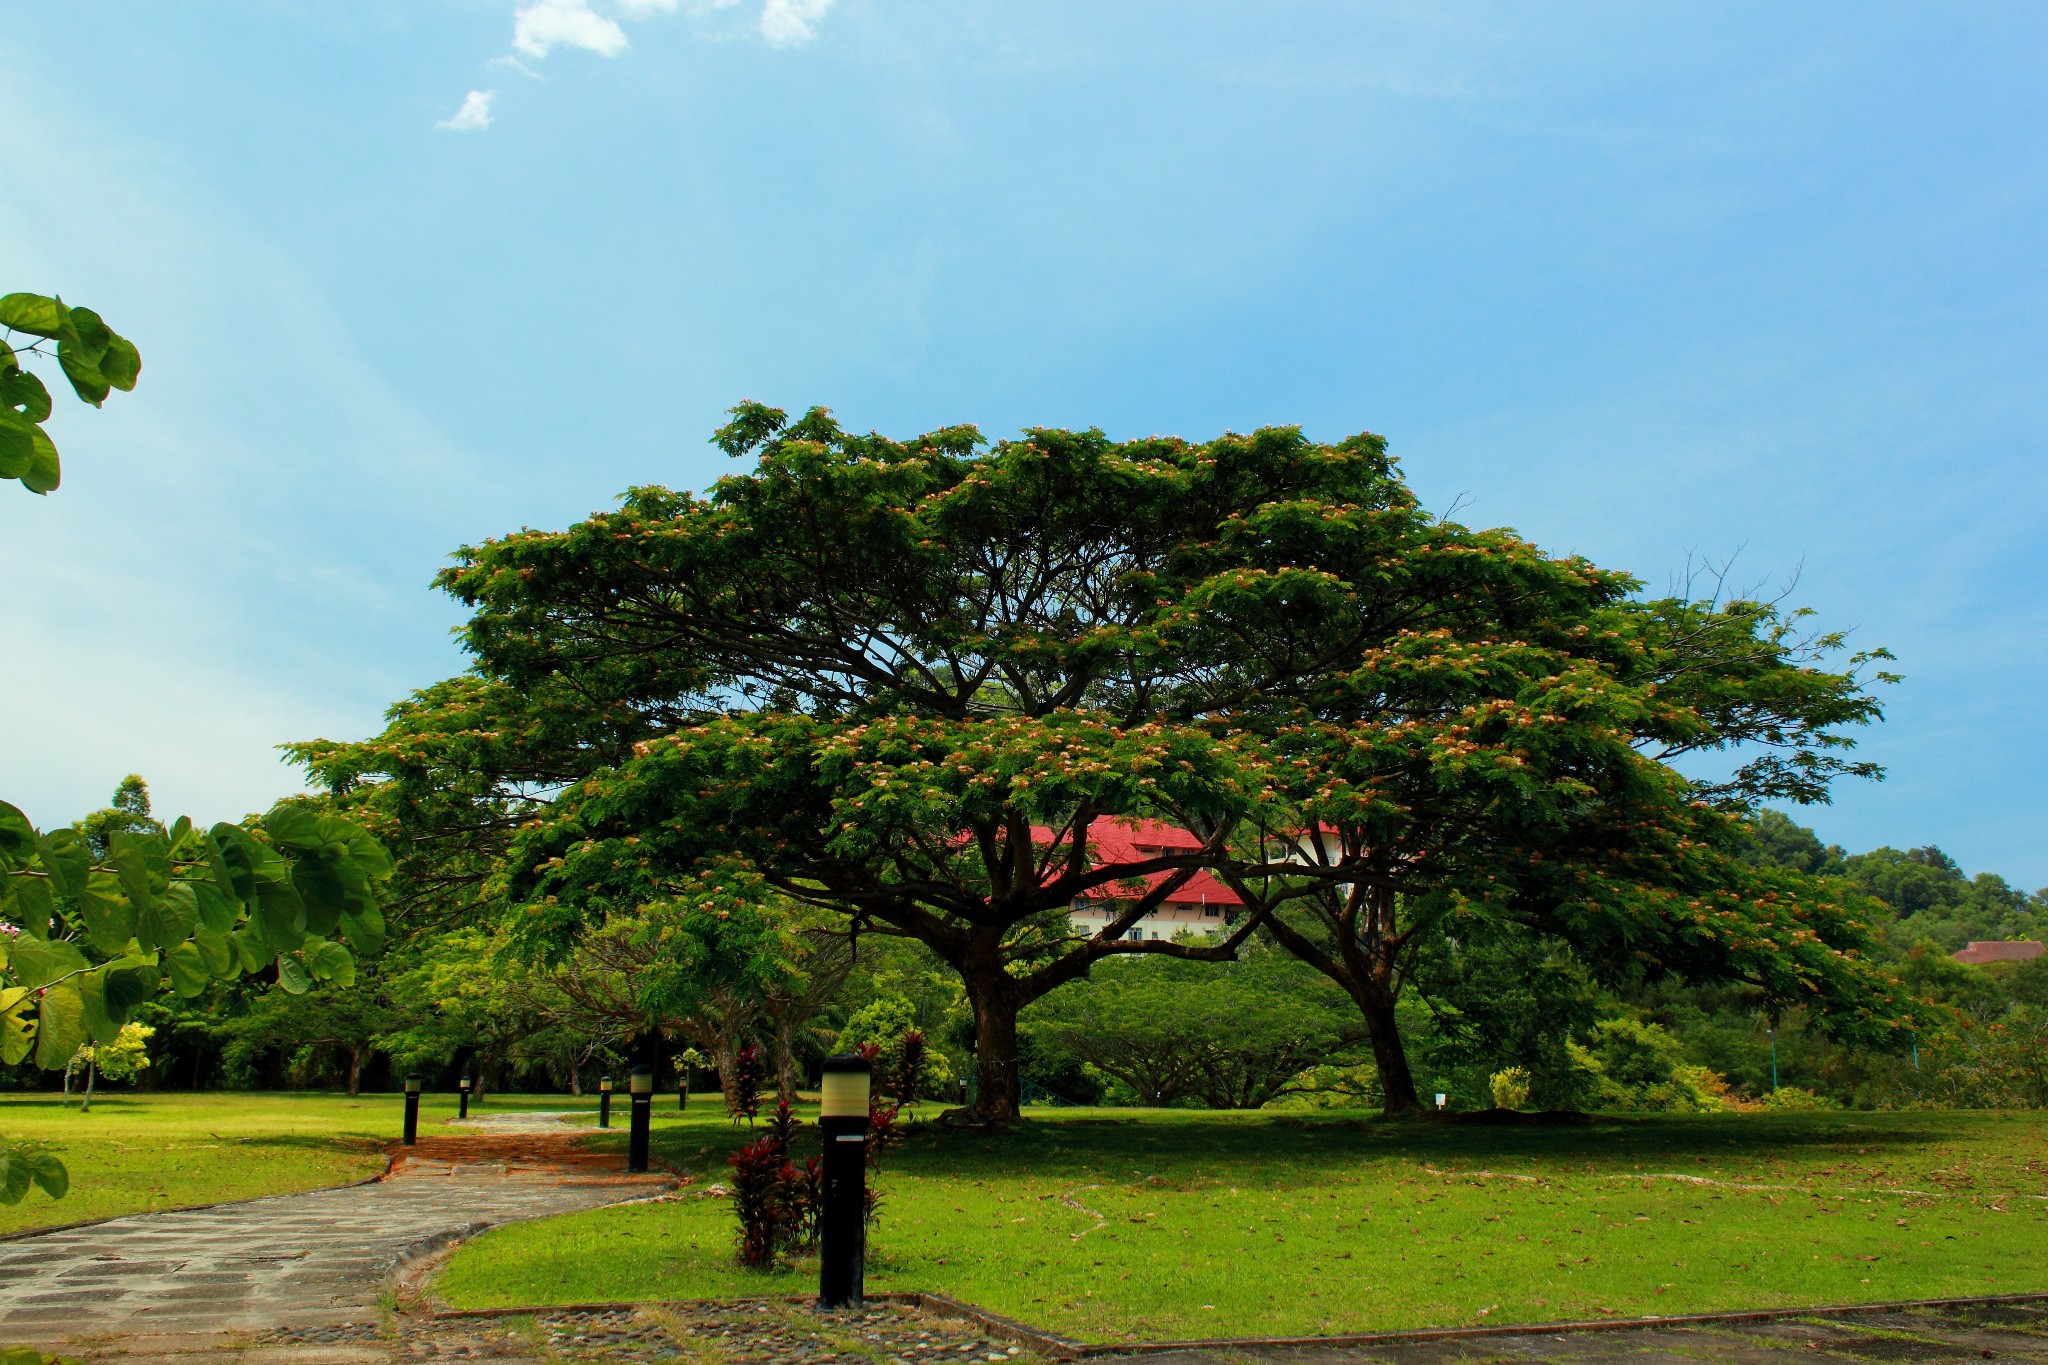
<point>1491,1018</point>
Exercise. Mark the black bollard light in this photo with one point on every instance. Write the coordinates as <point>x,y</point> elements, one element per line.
<point>683,1091</point>
<point>412,1108</point>
<point>604,1103</point>
<point>641,1083</point>
<point>843,1216</point>
<point>465,1083</point>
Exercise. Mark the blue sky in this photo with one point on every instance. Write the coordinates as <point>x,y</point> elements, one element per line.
<point>1644,282</point>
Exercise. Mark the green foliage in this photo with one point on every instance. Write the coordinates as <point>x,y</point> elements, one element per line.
<point>1510,1088</point>
<point>905,681</point>
<point>103,929</point>
<point>880,1022</point>
<point>182,907</point>
<point>127,813</point>
<point>1791,1100</point>
<point>29,1355</point>
<point>93,358</point>
<point>1777,840</point>
<point>1235,1035</point>
<point>1920,894</point>
<point>123,1059</point>
<point>27,1163</point>
<point>1503,999</point>
<point>1933,900</point>
<point>1635,1065</point>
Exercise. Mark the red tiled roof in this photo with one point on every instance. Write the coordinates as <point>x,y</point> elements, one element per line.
<point>2001,950</point>
<point>1135,841</point>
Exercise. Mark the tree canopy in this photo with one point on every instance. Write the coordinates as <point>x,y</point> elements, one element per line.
<point>908,682</point>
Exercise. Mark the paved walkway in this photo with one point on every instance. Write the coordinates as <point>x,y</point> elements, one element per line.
<point>301,1259</point>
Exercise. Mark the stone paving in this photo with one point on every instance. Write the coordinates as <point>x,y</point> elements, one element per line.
<point>297,1259</point>
<point>1922,1336</point>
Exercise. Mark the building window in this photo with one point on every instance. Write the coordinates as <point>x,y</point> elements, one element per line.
<point>1212,912</point>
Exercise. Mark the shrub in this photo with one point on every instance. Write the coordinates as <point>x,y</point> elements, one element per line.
<point>1637,1065</point>
<point>1510,1088</point>
<point>1792,1100</point>
<point>760,1183</point>
<point>913,1060</point>
<point>878,1023</point>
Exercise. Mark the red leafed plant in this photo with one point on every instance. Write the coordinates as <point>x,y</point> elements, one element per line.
<point>782,1126</point>
<point>759,1201</point>
<point>743,1089</point>
<point>913,1060</point>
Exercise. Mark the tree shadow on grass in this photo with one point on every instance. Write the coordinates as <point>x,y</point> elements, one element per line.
<point>308,1142</point>
<point>1168,1139</point>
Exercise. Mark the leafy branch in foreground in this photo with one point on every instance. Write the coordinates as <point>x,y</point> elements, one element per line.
<point>94,358</point>
<point>93,932</point>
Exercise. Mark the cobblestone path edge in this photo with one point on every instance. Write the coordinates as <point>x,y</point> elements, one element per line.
<point>1056,1347</point>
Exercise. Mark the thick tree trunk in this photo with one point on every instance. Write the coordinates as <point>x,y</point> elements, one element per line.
<point>575,1079</point>
<point>724,1053</point>
<point>355,1071</point>
<point>998,1086</point>
<point>91,1074</point>
<point>1397,1082</point>
<point>785,1060</point>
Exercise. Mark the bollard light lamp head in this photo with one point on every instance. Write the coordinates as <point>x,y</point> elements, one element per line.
<point>642,1080</point>
<point>467,1082</point>
<point>605,1086</point>
<point>847,1078</point>
<point>412,1084</point>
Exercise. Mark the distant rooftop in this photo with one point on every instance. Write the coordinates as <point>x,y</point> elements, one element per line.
<point>2001,950</point>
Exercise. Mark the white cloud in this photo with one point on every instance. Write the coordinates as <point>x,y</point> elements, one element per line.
<point>475,114</point>
<point>784,22</point>
<point>542,25</point>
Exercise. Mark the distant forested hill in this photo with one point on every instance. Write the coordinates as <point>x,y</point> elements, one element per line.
<point>1928,894</point>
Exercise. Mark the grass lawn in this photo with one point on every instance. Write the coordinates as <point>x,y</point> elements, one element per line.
<point>1119,1224</point>
<point>135,1152</point>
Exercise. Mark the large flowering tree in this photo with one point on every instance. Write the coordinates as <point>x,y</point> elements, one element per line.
<point>907,680</point>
